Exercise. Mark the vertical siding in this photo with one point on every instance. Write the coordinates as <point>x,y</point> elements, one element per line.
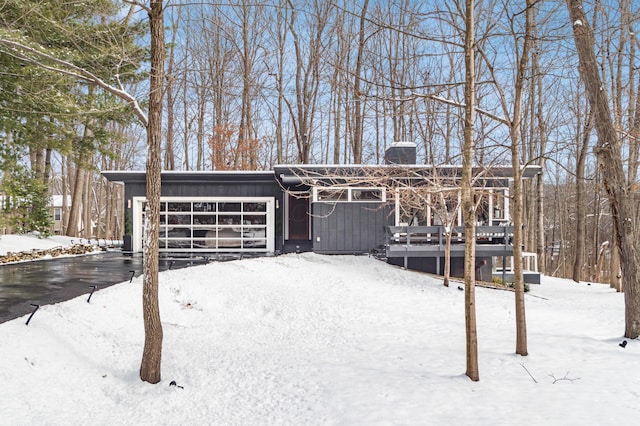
<point>348,227</point>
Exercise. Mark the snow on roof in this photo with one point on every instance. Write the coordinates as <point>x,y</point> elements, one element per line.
<point>403,144</point>
<point>56,200</point>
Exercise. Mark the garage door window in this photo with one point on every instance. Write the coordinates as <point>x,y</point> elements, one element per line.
<point>224,225</point>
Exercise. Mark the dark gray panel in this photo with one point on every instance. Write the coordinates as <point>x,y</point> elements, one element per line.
<point>349,227</point>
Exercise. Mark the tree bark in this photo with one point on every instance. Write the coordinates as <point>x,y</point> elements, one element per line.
<point>609,155</point>
<point>518,224</point>
<point>87,229</point>
<point>614,269</point>
<point>169,154</point>
<point>358,117</point>
<point>152,354</point>
<point>578,264</point>
<point>541,129</point>
<point>73,222</point>
<point>468,206</point>
<point>447,256</point>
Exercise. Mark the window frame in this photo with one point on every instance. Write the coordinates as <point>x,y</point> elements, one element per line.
<point>348,190</point>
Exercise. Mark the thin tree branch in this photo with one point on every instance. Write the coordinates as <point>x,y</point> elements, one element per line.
<point>139,4</point>
<point>461,105</point>
<point>18,50</point>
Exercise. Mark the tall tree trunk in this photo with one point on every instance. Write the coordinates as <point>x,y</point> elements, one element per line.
<point>109,208</point>
<point>540,240</point>
<point>200,132</point>
<point>73,223</point>
<point>358,116</point>
<point>578,264</point>
<point>47,165</point>
<point>541,129</point>
<point>152,354</point>
<point>615,277</point>
<point>609,155</point>
<point>468,206</point>
<point>337,114</point>
<point>518,225</point>
<point>65,173</point>
<point>447,256</point>
<point>186,123</point>
<point>169,154</point>
<point>77,208</point>
<point>87,228</point>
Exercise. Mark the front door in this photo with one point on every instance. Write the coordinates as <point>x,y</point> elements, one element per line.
<point>299,218</point>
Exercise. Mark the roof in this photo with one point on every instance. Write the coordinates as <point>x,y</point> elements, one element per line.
<point>301,173</point>
<point>191,176</point>
<point>56,200</point>
<point>312,173</point>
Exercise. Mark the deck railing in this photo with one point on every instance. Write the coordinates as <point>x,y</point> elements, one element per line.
<point>425,235</point>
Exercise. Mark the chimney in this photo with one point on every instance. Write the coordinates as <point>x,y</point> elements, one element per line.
<point>401,153</point>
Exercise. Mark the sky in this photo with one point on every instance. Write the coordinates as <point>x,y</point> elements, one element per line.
<point>321,340</point>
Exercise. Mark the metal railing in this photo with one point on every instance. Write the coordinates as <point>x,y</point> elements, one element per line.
<point>423,235</point>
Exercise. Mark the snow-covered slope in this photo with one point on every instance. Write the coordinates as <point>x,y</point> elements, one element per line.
<point>309,339</point>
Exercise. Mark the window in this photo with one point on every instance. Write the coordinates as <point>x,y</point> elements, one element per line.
<point>228,224</point>
<point>179,207</point>
<point>57,214</point>
<point>366,194</point>
<point>328,195</point>
<point>331,194</point>
<point>499,202</point>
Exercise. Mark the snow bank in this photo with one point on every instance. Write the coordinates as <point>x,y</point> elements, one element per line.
<point>310,339</point>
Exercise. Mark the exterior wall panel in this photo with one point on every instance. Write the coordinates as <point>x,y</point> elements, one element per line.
<point>195,184</point>
<point>344,228</point>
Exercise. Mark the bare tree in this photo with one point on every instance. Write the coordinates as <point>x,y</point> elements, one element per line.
<point>514,120</point>
<point>358,117</point>
<point>150,367</point>
<point>583,149</point>
<point>468,206</point>
<point>521,327</point>
<point>169,151</point>
<point>608,151</point>
<point>307,73</point>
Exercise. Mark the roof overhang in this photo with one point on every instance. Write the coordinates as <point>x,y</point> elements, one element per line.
<point>345,174</point>
<point>191,176</point>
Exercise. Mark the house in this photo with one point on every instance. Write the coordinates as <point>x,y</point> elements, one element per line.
<point>58,208</point>
<point>56,211</point>
<point>399,209</point>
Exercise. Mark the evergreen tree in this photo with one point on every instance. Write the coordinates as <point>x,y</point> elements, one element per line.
<point>43,109</point>
<point>25,206</point>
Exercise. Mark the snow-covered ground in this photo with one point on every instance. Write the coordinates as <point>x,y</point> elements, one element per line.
<point>28,242</point>
<point>310,339</point>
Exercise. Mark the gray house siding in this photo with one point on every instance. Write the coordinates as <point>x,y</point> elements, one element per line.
<point>344,228</point>
<point>202,185</point>
<point>195,184</point>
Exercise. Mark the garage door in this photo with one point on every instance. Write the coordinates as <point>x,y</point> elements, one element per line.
<point>212,224</point>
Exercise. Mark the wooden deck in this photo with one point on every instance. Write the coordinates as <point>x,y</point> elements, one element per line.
<point>429,241</point>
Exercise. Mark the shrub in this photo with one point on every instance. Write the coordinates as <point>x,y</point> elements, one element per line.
<point>513,285</point>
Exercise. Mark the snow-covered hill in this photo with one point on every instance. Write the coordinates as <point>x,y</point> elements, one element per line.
<point>310,339</point>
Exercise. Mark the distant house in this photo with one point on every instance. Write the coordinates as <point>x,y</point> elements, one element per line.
<point>394,210</point>
<point>58,210</point>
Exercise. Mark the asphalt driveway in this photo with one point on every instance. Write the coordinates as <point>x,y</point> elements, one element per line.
<point>45,282</point>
